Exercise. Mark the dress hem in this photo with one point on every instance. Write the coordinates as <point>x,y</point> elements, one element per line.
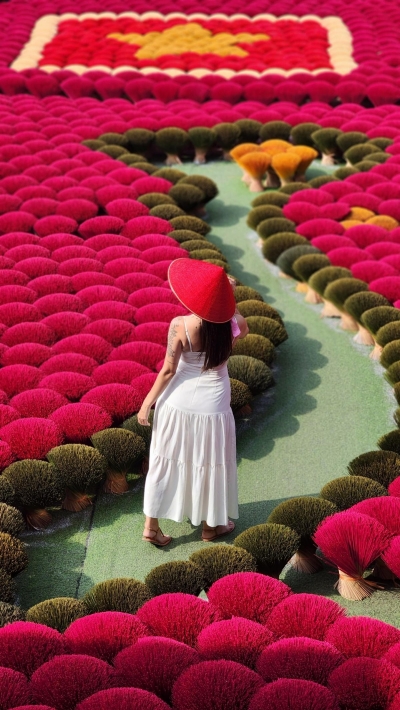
<point>181,520</point>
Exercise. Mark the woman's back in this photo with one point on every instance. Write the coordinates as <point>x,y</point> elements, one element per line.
<point>194,389</point>
<point>192,329</point>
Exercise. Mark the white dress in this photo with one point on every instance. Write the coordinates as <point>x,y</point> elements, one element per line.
<point>192,466</point>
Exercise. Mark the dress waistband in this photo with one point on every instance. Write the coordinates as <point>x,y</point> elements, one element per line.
<point>196,359</point>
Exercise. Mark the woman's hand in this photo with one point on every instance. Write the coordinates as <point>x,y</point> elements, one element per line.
<point>143,415</point>
<point>232,282</point>
<point>242,323</point>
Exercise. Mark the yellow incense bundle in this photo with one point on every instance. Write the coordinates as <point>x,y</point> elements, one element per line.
<point>255,164</point>
<point>275,146</point>
<point>383,220</point>
<point>347,223</point>
<point>306,155</point>
<point>285,165</point>
<point>242,149</point>
<point>361,214</point>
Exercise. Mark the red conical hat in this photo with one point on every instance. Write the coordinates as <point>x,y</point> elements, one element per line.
<point>203,289</point>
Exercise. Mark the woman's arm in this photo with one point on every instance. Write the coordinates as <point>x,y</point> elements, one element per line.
<point>242,323</point>
<point>172,356</point>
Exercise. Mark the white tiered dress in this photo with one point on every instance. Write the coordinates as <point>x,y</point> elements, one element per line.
<point>192,467</point>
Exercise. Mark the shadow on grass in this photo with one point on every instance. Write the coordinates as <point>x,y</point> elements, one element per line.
<point>253,513</point>
<point>234,255</point>
<point>56,562</point>
<point>276,412</point>
<point>221,214</point>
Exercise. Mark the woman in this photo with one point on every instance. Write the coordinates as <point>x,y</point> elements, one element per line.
<point>192,469</point>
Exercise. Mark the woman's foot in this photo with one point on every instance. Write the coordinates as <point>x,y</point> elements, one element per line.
<point>208,534</point>
<point>156,537</point>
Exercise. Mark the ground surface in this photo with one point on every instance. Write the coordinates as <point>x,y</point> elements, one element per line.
<point>330,404</point>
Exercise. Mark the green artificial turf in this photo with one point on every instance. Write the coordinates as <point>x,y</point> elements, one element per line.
<point>330,404</point>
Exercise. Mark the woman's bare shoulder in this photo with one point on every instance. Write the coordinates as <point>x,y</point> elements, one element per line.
<point>176,323</point>
<point>175,336</point>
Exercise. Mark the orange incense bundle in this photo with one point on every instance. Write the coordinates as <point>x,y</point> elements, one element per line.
<point>306,155</point>
<point>275,146</point>
<point>242,149</point>
<point>383,220</point>
<point>255,164</point>
<point>285,166</point>
<point>361,214</point>
<point>348,223</point>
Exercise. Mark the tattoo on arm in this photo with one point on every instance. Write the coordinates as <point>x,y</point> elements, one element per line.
<point>171,338</point>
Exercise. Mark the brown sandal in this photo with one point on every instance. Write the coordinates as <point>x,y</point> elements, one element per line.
<point>154,541</point>
<point>230,526</point>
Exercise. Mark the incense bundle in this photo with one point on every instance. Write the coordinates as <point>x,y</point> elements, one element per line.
<point>239,151</point>
<point>306,155</point>
<point>285,166</point>
<point>255,164</point>
<point>352,542</point>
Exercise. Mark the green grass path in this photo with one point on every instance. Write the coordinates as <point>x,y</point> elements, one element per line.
<point>330,404</point>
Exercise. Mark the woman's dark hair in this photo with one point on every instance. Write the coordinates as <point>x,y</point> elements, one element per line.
<point>216,343</point>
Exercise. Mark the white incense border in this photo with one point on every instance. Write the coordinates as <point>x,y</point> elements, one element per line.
<point>340,47</point>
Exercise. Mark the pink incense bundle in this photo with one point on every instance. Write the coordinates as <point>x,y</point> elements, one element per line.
<point>299,657</point>
<point>247,594</point>
<point>351,542</point>
<point>395,705</point>
<point>121,699</point>
<point>300,212</point>
<point>216,685</point>
<point>367,683</point>
<point>66,680</point>
<point>291,693</point>
<point>393,656</point>
<point>386,510</point>
<point>356,636</point>
<point>178,616</point>
<point>14,688</point>
<point>305,615</point>
<point>394,488</point>
<point>25,646</point>
<point>391,556</point>
<point>138,665</point>
<point>235,639</point>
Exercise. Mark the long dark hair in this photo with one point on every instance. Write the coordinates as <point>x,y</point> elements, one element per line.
<point>216,343</point>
